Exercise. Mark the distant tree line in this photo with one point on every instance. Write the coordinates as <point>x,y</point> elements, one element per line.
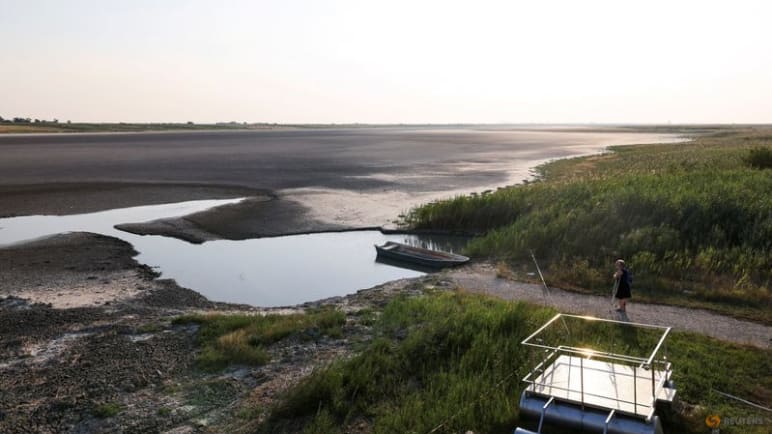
<point>20,120</point>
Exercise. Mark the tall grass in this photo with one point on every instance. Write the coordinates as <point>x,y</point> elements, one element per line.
<point>453,362</point>
<point>693,221</point>
<point>433,357</point>
<point>759,158</point>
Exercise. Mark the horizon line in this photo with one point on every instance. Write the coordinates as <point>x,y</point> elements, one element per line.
<point>245,123</point>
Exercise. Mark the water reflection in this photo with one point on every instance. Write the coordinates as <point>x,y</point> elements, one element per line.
<point>17,229</point>
<point>275,271</point>
<point>447,243</point>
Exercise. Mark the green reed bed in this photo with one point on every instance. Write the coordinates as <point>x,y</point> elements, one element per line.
<point>693,220</point>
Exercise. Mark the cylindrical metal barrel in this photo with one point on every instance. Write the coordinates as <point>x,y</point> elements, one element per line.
<point>572,416</point>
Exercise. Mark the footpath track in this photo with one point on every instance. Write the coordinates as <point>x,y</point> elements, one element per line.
<point>481,278</point>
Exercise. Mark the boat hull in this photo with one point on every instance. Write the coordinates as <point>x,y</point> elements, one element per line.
<point>415,255</point>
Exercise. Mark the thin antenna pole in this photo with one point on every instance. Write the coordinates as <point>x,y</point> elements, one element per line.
<point>614,291</point>
<point>546,288</point>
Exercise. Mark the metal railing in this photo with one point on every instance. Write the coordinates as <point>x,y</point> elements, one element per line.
<point>654,365</point>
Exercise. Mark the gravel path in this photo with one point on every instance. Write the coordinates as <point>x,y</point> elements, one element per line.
<point>482,279</point>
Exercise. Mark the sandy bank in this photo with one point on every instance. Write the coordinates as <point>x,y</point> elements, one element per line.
<point>256,216</point>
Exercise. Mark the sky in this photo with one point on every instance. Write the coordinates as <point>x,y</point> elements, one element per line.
<point>317,61</point>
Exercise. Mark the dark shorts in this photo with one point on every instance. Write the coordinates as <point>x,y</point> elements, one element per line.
<point>623,293</point>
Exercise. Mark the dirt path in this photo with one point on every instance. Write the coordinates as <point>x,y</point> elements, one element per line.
<point>482,278</point>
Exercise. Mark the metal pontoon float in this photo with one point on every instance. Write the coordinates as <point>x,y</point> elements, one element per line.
<point>578,387</point>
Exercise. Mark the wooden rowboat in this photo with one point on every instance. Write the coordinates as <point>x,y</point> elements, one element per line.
<point>417,255</point>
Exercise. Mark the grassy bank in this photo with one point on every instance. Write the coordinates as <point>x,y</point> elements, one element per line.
<point>693,220</point>
<point>453,362</point>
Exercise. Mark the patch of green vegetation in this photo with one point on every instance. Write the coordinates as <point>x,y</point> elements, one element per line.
<point>151,327</point>
<point>171,388</point>
<point>250,412</point>
<point>211,393</point>
<point>703,366</point>
<point>693,221</point>
<point>454,361</point>
<point>759,158</point>
<point>106,410</point>
<point>241,339</point>
<point>432,356</point>
<point>366,316</point>
<point>164,411</point>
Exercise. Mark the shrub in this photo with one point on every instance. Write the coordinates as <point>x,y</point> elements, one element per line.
<point>759,158</point>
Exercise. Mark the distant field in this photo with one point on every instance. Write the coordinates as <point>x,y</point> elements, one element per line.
<point>693,220</point>
<point>97,127</point>
<point>50,127</point>
<point>28,128</point>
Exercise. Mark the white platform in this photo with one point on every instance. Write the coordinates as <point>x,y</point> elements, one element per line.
<point>607,385</point>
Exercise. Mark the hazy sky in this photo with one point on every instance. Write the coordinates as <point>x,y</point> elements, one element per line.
<point>387,61</point>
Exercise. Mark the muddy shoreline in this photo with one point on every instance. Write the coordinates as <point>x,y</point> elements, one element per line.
<point>70,308</point>
<point>84,328</point>
<point>253,217</point>
<point>261,213</point>
<point>317,179</point>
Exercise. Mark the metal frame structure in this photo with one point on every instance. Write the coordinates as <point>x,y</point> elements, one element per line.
<point>552,381</point>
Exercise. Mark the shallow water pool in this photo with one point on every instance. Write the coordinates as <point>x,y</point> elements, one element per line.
<point>276,271</point>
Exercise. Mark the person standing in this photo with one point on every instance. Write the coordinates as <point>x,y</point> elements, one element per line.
<point>622,283</point>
